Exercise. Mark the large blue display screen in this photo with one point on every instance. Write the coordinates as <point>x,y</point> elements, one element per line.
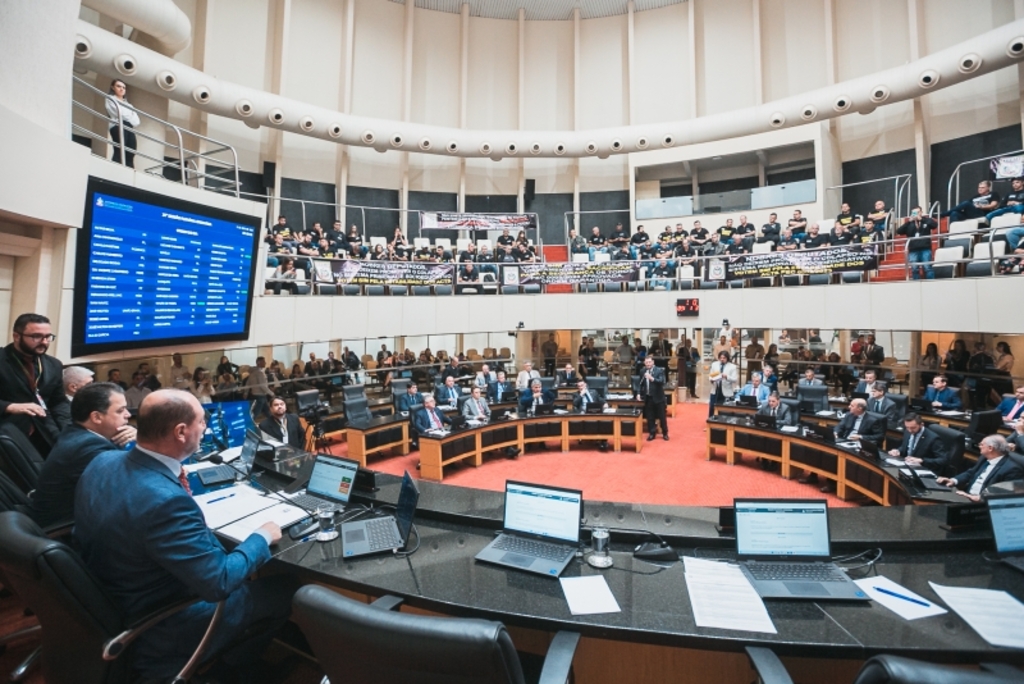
<point>154,271</point>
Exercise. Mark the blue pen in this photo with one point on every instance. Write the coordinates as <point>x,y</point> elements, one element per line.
<point>905,598</point>
<point>219,498</point>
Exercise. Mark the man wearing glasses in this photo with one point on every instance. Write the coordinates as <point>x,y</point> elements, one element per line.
<point>32,385</point>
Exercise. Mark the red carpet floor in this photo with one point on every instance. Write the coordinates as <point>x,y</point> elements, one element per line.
<point>673,472</point>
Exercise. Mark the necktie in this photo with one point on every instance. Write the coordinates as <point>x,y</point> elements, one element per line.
<point>1016,409</point>
<point>913,444</point>
<point>878,406</point>
<point>434,422</point>
<point>501,389</point>
<point>183,479</point>
<point>479,407</point>
<point>773,412</point>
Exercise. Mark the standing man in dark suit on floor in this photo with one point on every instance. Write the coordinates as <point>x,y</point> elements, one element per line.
<point>921,448</point>
<point>100,423</point>
<point>651,391</point>
<point>145,541</point>
<point>996,466</point>
<point>32,383</point>
<point>283,426</point>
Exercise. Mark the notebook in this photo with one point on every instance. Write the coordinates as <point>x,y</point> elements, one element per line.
<point>1007,516</point>
<point>541,529</point>
<point>390,533</point>
<point>784,549</point>
<point>330,482</point>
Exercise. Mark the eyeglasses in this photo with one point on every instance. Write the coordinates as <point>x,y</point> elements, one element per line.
<point>39,337</point>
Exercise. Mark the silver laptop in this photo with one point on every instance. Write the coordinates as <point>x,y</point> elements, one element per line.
<point>1007,515</point>
<point>224,473</point>
<point>390,533</point>
<point>330,481</point>
<point>784,550</point>
<point>541,529</point>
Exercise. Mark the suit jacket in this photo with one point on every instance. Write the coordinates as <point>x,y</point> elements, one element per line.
<point>595,398</point>
<point>470,412</point>
<point>149,545</point>
<point>14,389</point>
<point>526,401</point>
<point>54,499</point>
<point>296,435</point>
<point>874,353</point>
<point>450,372</point>
<point>872,427</point>
<point>482,382</point>
<point>863,387</point>
<point>950,399</point>
<point>421,419</point>
<point>888,409</point>
<point>1007,469</point>
<point>1006,408</point>
<point>409,402</point>
<point>568,379</point>
<point>813,383</point>
<point>783,416</point>
<point>446,397</point>
<point>655,389</point>
<point>761,393</point>
<point>508,392</point>
<point>930,450</point>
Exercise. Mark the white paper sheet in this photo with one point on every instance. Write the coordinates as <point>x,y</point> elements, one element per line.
<point>722,597</point>
<point>825,413</point>
<point>789,428</point>
<point>906,609</point>
<point>950,413</point>
<point>589,595</point>
<point>923,472</point>
<point>227,505</point>
<point>995,615</point>
<point>895,462</point>
<point>282,514</point>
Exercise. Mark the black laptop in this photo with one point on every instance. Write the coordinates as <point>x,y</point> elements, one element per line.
<point>1007,516</point>
<point>544,409</point>
<point>746,400</point>
<point>764,421</point>
<point>921,405</point>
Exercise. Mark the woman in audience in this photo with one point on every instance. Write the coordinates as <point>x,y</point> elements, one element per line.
<point>129,118</point>
<point>226,366</point>
<point>378,253</point>
<point>284,276</point>
<point>227,388</point>
<point>771,357</point>
<point>202,386</point>
<point>956,362</point>
<point>1002,383</point>
<point>400,249</point>
<point>929,364</point>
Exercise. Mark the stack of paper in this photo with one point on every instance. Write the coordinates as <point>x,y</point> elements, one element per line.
<point>589,595</point>
<point>902,601</point>
<point>722,597</point>
<point>282,514</point>
<point>995,615</point>
<point>223,506</point>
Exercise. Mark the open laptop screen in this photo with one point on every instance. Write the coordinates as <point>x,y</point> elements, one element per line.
<point>408,497</point>
<point>547,512</point>
<point>332,478</point>
<point>1007,515</point>
<point>780,528</point>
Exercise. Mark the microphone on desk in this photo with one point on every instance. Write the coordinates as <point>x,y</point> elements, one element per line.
<point>219,460</point>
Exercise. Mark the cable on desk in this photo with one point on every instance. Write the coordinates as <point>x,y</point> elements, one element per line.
<point>406,554</point>
<point>870,563</point>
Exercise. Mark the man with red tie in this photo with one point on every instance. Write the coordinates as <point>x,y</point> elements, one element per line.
<point>476,408</point>
<point>430,418</point>
<point>1012,408</point>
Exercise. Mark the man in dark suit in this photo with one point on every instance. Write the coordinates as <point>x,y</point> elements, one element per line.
<point>996,466</point>
<point>942,398</point>
<point>873,354</point>
<point>32,383</point>
<point>536,395</point>
<point>429,418</point>
<point>451,370</point>
<point>586,397</point>
<point>501,391</point>
<point>144,539</point>
<point>921,447</point>
<point>448,394</point>
<point>866,383</point>
<point>775,407</point>
<point>568,377</point>
<point>859,423</point>
<point>651,391</point>
<point>283,426</point>
<point>881,404</point>
<point>100,423</point>
<point>809,380</point>
<point>411,401</point>
<point>1012,408</point>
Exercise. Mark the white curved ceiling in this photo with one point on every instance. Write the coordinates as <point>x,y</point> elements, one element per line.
<point>540,10</point>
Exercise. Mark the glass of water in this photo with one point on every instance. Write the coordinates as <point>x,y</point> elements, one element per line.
<point>325,516</point>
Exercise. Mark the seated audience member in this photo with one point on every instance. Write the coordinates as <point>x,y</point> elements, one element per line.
<point>506,256</point>
<point>798,224</point>
<point>149,546</point>
<point>941,397</point>
<point>879,215</point>
<point>598,243</point>
<point>987,200</point>
<point>921,448</point>
<point>699,236</point>
<point>114,376</point>
<point>484,378</point>
<point>736,245</point>
<point>881,404</point>
<point>786,242</point>
<point>577,243</point>
<point>485,260</point>
<point>748,231</point>
<point>284,277</point>
<point>75,378</point>
<point>726,232</point>
<point>1013,203</point>
<point>866,383</point>
<point>451,370</point>
<point>714,246</point>
<point>501,390</point>
<point>586,397</point>
<point>679,234</point>
<point>666,234</point>
<point>441,256</point>
<point>636,241</point>
<point>686,255</point>
<point>1012,408</point>
<point>505,239</point>
<point>99,416</point>
<point>568,377</point>
<point>809,380</point>
<point>524,253</point>
<point>355,242</point>
<point>281,230</point>
<point>774,407</point>
<point>867,232</point>
<point>448,394</point>
<point>469,277</point>
<point>283,426</point>
<point>847,219</point>
<point>858,422</point>
<point>429,417</point>
<point>993,468</point>
<point>840,236</point>
<point>138,391</point>
<point>534,396</point>
<point>814,239</point>
<point>526,375</point>
<point>469,253</point>
<point>756,388</point>
<point>476,408</point>
<point>918,229</point>
<point>620,238</point>
<point>772,230</point>
<point>379,253</point>
<point>662,275</point>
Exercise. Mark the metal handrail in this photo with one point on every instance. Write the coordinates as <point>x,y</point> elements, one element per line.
<point>184,154</point>
<point>900,183</point>
<point>955,176</point>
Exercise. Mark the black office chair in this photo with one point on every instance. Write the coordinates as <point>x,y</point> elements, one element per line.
<point>889,669</point>
<point>599,384</point>
<point>350,392</point>
<point>19,460</point>
<point>399,386</point>
<point>83,633</point>
<point>813,397</point>
<point>547,384</point>
<point>953,440</point>
<point>901,404</point>
<point>357,411</point>
<point>356,642</point>
<point>794,409</point>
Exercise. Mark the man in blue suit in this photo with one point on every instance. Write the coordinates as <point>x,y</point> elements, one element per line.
<point>429,418</point>
<point>448,394</point>
<point>1012,408</point>
<point>536,395</point>
<point>99,415</point>
<point>501,390</point>
<point>995,466</point>
<point>411,401</point>
<point>942,398</point>
<point>755,388</point>
<point>145,540</point>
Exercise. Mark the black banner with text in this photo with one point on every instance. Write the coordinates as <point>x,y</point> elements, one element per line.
<point>440,220</point>
<point>801,262</point>
<point>570,273</point>
<point>391,273</point>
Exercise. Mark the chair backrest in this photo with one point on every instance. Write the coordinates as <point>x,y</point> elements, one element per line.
<point>12,498</point>
<point>825,225</point>
<point>76,615</point>
<point>890,669</point>
<point>547,383</point>
<point>357,642</point>
<point>462,243</point>
<point>19,460</point>
<point>357,411</point>
<point>901,404</point>
<point>816,395</point>
<point>444,243</point>
<point>602,257</point>
<point>484,241</point>
<point>965,226</point>
<point>580,258</point>
<point>1005,220</point>
<point>982,249</point>
<point>794,409</point>
<point>382,241</point>
<point>954,443</point>
<point>351,392</point>
<point>599,384</point>
<point>398,388</point>
<point>761,248</point>
<point>949,254</point>
<point>420,242</point>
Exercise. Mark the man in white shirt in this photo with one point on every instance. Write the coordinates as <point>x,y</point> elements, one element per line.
<point>992,468</point>
<point>526,375</point>
<point>75,378</point>
<point>138,391</point>
<point>724,376</point>
<point>180,375</point>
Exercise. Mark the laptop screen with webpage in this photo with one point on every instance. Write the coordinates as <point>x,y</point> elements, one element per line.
<point>1007,514</point>
<point>779,528</point>
<point>332,478</point>
<point>546,512</point>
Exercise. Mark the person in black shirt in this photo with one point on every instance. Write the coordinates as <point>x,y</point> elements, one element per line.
<point>523,253</point>
<point>987,200</point>
<point>620,237</point>
<point>486,260</point>
<point>917,229</point>
<point>846,218</point>
<point>679,234</point>
<point>379,253</point>
<point>637,242</point>
<point>1013,203</point>
<point>282,229</point>
<point>686,255</point>
<point>814,239</point>
<point>771,231</point>
<point>661,276</point>
<point>735,245</point>
<point>840,236</point>
<point>597,242</point>
<point>879,216</point>
<point>468,254</point>
<point>787,243</point>
<point>725,232</point>
<point>748,231</point>
<point>798,224</point>
<point>469,277</point>
<point>506,256</point>
<point>505,239</point>
<point>441,256</point>
<point>666,235</point>
<point>699,236</point>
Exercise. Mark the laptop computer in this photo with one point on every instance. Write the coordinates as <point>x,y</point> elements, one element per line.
<point>331,481</point>
<point>544,409</point>
<point>746,400</point>
<point>922,484</point>
<point>784,549</point>
<point>224,473</point>
<point>595,407</point>
<point>822,432</point>
<point>541,529</point>
<point>1007,516</point>
<point>379,535</point>
<point>859,395</point>
<point>765,421</point>
<point>921,405</point>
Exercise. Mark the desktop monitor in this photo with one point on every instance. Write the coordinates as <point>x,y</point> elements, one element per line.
<point>307,400</point>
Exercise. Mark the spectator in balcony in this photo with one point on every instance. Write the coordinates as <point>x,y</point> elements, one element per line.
<point>423,253</point>
<point>798,224</point>
<point>282,229</point>
<point>846,218</point>
<point>771,231</point>
<point>469,277</point>
<point>686,255</point>
<point>987,200</point>
<point>327,249</point>
<point>918,229</point>
<point>379,253</point>
<point>699,237</point>
<point>639,239</point>
<point>505,239</point>
<point>441,256</point>
<point>748,231</point>
<point>620,238</point>
<point>662,275</point>
<point>468,254</point>
<point>666,235</point>
<point>598,243</point>
<point>355,242</point>
<point>879,216</point>
<point>679,233</point>
<point>840,236</point>
<point>524,253</point>
<point>1013,203</point>
<point>868,232</point>
<point>714,246</point>
<point>578,243</point>
<point>506,256</point>
<point>284,277</point>
<point>117,102</point>
<point>315,232</point>
<point>787,243</point>
<point>401,250</point>
<point>485,259</point>
<point>736,245</point>
<point>814,239</point>
<point>725,232</point>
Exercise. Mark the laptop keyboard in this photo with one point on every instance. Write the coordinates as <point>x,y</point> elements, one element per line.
<point>537,549</point>
<point>308,501</point>
<point>379,534</point>
<point>814,572</point>
<point>220,473</point>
